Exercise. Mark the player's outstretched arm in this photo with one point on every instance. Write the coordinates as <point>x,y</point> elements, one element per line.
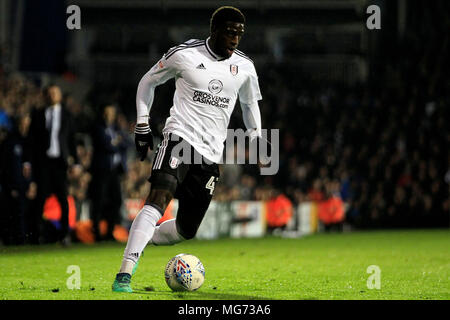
<point>143,138</point>
<point>157,75</point>
<point>252,119</point>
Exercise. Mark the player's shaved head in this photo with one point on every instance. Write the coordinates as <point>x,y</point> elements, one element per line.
<point>224,14</point>
<point>227,28</point>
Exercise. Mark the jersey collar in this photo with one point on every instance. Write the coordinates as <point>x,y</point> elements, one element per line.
<point>208,48</point>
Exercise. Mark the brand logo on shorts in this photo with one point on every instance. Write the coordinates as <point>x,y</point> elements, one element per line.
<point>174,162</point>
<point>215,86</point>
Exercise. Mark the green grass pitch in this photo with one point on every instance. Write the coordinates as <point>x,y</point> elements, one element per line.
<point>414,265</point>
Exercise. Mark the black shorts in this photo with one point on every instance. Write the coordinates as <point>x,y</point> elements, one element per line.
<point>194,183</point>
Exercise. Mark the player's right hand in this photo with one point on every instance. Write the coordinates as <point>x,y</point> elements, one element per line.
<point>143,139</point>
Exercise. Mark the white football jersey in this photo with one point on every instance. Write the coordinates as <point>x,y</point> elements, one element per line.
<point>207,87</point>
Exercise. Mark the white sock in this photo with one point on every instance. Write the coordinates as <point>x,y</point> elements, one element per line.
<point>127,266</point>
<point>141,232</point>
<point>166,234</point>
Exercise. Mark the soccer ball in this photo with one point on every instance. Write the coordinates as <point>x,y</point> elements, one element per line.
<point>184,272</point>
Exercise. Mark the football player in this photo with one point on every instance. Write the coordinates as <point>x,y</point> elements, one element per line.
<point>209,77</point>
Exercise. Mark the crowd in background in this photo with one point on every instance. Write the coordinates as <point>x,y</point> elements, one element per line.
<point>383,149</point>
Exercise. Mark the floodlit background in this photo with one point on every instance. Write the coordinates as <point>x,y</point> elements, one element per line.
<point>363,114</point>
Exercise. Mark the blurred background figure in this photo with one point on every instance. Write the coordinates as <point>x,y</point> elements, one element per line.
<point>331,210</point>
<point>17,188</point>
<point>53,150</point>
<point>279,211</point>
<point>108,165</point>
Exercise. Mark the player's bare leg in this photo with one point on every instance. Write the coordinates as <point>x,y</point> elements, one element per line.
<point>167,234</point>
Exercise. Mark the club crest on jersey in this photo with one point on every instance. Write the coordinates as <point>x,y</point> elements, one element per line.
<point>215,86</point>
<point>174,162</point>
<point>234,69</point>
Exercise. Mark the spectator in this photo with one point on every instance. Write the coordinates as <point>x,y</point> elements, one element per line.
<point>331,208</point>
<point>15,177</point>
<point>107,167</point>
<point>279,211</point>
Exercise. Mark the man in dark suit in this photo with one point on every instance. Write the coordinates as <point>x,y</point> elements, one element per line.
<point>54,150</point>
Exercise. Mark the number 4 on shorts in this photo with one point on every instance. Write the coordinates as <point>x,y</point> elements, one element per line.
<point>211,184</point>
